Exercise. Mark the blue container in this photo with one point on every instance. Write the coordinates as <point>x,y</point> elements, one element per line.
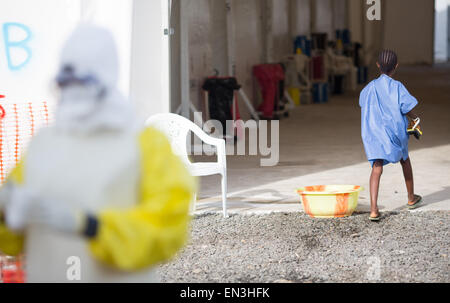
<point>362,74</point>
<point>338,34</point>
<point>307,49</point>
<point>301,42</point>
<point>320,92</point>
<point>297,44</point>
<point>346,37</point>
<point>338,85</point>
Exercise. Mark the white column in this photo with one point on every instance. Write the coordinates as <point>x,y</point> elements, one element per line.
<point>267,25</point>
<point>149,87</point>
<point>184,57</point>
<point>231,39</point>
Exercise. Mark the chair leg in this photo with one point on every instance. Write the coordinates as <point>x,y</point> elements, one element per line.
<point>194,204</point>
<point>224,195</point>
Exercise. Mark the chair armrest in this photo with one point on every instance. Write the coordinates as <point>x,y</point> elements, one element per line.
<point>207,138</point>
<point>219,143</point>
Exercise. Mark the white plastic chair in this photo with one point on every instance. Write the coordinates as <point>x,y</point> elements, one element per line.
<point>177,129</point>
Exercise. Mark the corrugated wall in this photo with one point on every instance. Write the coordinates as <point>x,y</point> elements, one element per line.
<point>407,26</point>
<point>255,40</point>
<point>249,42</point>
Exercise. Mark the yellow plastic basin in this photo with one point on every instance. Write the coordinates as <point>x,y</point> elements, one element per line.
<point>330,201</point>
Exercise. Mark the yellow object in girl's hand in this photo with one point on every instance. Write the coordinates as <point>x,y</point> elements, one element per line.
<point>414,128</point>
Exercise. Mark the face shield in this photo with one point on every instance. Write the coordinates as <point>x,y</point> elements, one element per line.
<point>89,100</point>
<point>81,97</point>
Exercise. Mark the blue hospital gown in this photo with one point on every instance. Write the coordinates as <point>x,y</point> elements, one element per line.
<point>384,104</point>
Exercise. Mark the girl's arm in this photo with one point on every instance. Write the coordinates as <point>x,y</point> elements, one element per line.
<point>412,115</point>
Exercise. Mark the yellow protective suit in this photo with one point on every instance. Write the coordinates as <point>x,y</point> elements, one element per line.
<point>11,243</point>
<point>130,239</point>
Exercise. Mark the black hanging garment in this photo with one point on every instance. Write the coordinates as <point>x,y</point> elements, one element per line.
<point>220,101</point>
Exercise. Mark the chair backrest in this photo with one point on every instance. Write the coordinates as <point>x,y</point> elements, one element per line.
<point>177,129</point>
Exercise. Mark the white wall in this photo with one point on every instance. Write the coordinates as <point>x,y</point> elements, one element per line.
<point>406,26</point>
<point>262,31</point>
<point>323,19</point>
<point>49,23</point>
<point>355,19</point>
<point>208,47</point>
<point>409,29</point>
<point>200,47</point>
<point>217,36</point>
<point>339,8</point>
<point>115,15</point>
<point>255,41</point>
<point>149,89</point>
<point>280,30</point>
<point>249,42</point>
<point>441,31</point>
<point>330,15</point>
<point>137,26</point>
<point>300,17</point>
<point>30,76</point>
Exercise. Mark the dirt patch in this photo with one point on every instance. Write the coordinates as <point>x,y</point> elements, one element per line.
<point>403,247</point>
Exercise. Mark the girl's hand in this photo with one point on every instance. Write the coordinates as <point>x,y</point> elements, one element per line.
<point>415,129</point>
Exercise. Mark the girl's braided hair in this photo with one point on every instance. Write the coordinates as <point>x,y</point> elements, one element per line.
<point>387,61</point>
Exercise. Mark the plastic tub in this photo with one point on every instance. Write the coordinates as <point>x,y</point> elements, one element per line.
<point>330,201</point>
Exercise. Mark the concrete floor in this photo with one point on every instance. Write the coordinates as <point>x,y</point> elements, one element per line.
<point>321,144</point>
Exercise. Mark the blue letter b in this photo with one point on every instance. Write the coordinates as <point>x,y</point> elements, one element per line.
<point>16,44</point>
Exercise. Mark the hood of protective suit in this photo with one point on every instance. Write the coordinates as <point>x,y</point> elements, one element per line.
<point>88,75</point>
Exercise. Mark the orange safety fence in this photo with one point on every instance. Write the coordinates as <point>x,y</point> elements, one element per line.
<point>12,269</point>
<point>19,122</point>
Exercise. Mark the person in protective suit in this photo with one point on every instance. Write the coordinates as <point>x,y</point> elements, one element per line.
<point>95,185</point>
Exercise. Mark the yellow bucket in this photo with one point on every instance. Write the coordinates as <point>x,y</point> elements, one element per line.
<point>295,95</point>
<point>330,201</point>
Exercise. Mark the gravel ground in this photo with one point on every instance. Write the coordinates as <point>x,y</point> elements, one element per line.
<point>409,247</point>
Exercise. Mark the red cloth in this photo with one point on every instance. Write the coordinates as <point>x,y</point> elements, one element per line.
<point>268,76</point>
<point>318,63</point>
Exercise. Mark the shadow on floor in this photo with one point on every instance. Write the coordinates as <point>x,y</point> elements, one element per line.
<point>432,198</point>
<point>437,197</point>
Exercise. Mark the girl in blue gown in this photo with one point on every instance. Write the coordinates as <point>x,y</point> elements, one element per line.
<point>386,106</point>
